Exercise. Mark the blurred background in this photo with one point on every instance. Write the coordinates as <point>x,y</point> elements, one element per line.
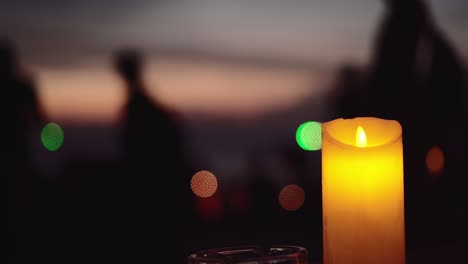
<point>219,86</point>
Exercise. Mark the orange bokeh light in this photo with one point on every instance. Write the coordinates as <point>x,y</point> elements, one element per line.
<point>291,197</point>
<point>204,184</point>
<point>435,160</point>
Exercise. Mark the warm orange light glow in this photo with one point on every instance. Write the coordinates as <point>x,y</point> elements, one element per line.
<point>291,197</point>
<point>361,138</point>
<point>202,86</point>
<point>204,184</point>
<point>435,160</point>
<point>363,191</point>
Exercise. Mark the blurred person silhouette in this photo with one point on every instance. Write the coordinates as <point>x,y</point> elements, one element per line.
<point>160,202</point>
<point>20,106</point>
<point>415,68</point>
<point>19,111</point>
<point>416,78</point>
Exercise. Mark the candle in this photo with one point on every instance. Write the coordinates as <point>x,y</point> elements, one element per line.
<point>362,192</point>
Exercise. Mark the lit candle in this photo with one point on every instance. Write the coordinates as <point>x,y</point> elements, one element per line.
<point>362,192</point>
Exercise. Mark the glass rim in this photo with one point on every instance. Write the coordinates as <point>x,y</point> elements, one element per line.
<point>215,255</point>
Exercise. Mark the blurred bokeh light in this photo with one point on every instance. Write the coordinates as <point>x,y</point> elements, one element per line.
<point>435,160</point>
<point>52,136</point>
<point>204,184</point>
<point>309,136</point>
<point>291,197</point>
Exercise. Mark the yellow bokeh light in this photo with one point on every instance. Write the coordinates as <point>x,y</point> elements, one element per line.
<point>291,197</point>
<point>361,138</point>
<point>204,184</point>
<point>435,160</point>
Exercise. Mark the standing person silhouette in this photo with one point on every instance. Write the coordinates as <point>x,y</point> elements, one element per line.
<point>415,68</point>
<point>153,150</point>
<point>18,110</point>
<point>416,78</point>
<point>19,107</point>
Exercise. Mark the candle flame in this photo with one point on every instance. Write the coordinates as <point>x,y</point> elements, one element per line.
<point>361,138</point>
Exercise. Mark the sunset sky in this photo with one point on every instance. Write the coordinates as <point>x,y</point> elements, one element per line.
<point>68,46</point>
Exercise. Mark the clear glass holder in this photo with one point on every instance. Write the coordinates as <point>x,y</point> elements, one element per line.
<point>251,255</point>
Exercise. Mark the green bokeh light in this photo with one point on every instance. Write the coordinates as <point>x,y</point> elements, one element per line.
<point>309,136</point>
<point>52,136</point>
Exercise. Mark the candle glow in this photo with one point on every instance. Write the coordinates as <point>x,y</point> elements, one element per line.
<point>362,192</point>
